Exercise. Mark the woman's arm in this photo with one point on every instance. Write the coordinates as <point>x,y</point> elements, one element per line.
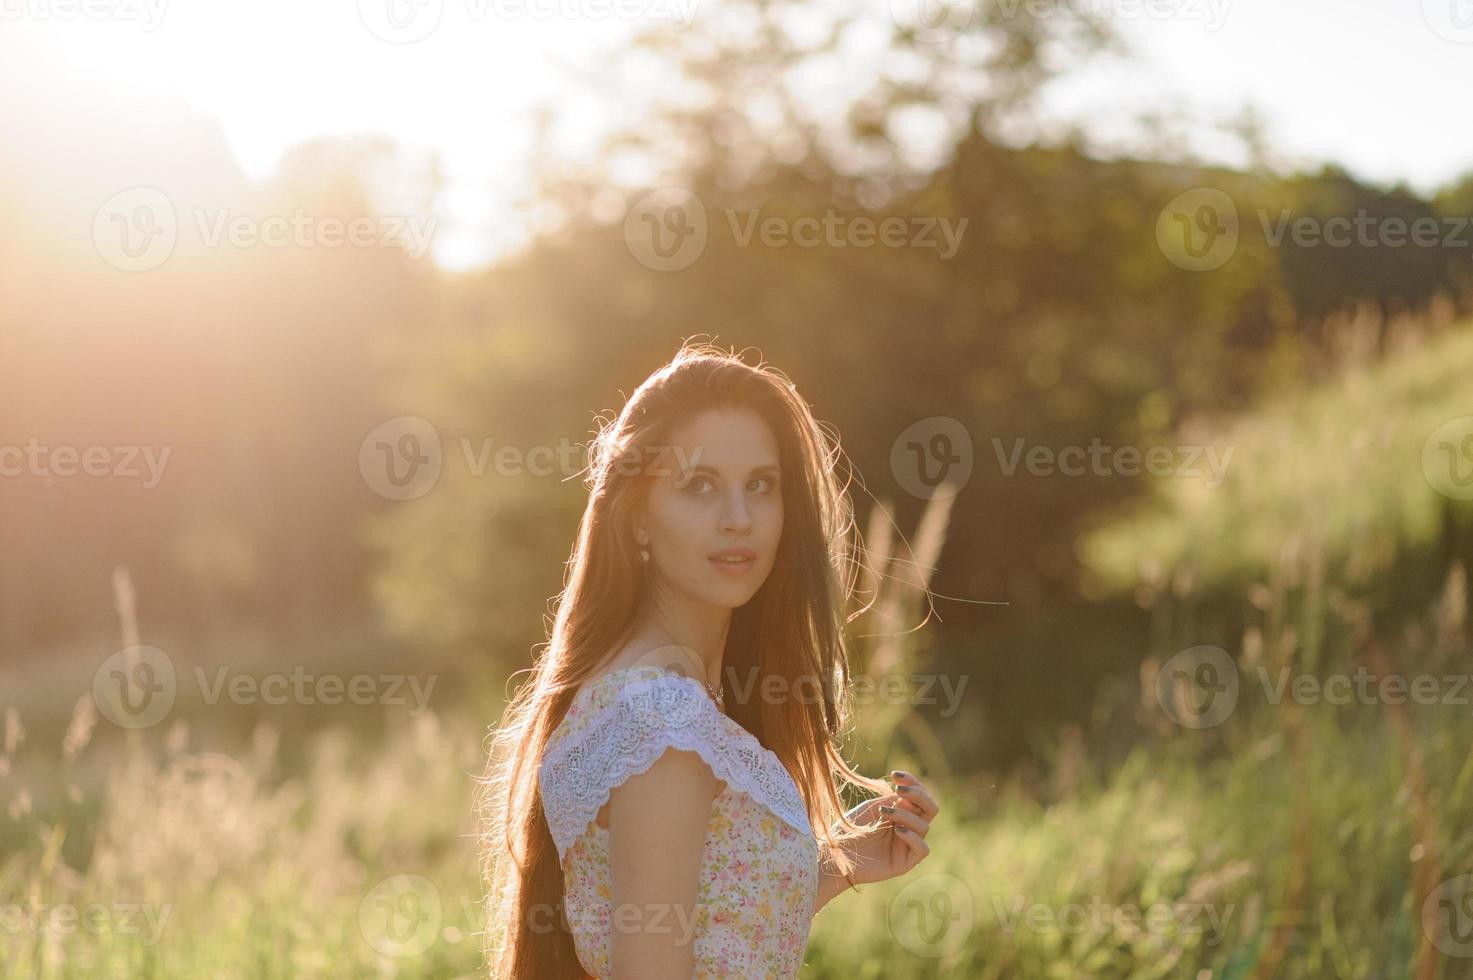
<point>657,830</point>
<point>831,884</point>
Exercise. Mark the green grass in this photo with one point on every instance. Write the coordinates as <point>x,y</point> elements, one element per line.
<point>1339,466</point>
<point>266,876</point>
<point>1196,836</point>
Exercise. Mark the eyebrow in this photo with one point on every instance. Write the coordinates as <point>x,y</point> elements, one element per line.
<point>756,471</point>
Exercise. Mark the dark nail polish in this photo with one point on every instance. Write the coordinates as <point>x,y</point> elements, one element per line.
<point>902,789</point>
<point>886,809</point>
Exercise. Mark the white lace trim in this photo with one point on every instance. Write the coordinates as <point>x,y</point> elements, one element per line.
<point>646,717</point>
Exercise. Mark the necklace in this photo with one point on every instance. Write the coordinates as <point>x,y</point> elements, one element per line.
<point>718,694</point>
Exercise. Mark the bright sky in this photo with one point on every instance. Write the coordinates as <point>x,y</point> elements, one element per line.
<point>1379,86</point>
<point>1375,85</point>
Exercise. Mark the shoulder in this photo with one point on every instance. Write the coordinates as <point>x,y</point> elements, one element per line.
<point>646,696</point>
<point>619,726</point>
<point>636,669</point>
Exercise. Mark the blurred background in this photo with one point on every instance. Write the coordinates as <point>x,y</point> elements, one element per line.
<point>1144,326</point>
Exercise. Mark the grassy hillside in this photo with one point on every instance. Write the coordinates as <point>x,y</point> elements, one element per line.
<point>1340,465</point>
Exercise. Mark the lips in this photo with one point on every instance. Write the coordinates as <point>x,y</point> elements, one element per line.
<point>733,561</point>
<point>732,554</point>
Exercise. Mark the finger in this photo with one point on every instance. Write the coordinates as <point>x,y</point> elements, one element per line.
<point>913,841</point>
<point>873,809</point>
<point>911,821</point>
<point>907,804</point>
<point>894,800</point>
<point>864,813</point>
<point>909,788</point>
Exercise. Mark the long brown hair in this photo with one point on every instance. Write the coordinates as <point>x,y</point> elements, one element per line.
<point>792,628</point>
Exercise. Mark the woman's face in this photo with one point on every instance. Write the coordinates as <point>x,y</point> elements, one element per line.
<point>716,491</point>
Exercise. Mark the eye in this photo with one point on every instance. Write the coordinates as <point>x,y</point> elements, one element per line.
<point>691,484</point>
<point>771,483</point>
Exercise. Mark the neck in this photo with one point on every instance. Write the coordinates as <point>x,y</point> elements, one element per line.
<point>699,628</point>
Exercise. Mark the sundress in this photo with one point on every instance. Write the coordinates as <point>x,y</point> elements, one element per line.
<point>759,864</point>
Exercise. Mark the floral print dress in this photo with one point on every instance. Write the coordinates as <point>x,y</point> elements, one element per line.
<point>759,865</point>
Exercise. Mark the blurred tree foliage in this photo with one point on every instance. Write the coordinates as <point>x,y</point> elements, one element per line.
<point>1059,321</point>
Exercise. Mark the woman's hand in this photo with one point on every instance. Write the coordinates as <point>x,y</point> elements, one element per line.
<point>899,822</point>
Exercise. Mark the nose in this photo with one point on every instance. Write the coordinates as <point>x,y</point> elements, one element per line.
<point>735,516</point>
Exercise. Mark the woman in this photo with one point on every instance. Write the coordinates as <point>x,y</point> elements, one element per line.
<point>662,799</point>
